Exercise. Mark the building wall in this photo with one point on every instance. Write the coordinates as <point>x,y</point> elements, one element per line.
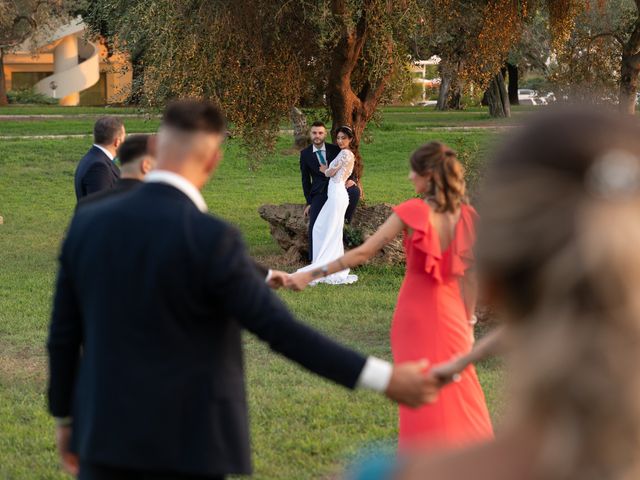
<point>116,70</point>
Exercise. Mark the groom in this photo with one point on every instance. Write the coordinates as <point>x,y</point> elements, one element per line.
<point>145,346</point>
<point>315,183</point>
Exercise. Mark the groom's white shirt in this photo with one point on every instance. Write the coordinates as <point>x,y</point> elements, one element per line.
<point>323,148</point>
<point>376,373</point>
<point>104,150</point>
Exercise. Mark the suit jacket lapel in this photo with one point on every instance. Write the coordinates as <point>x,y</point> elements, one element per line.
<point>114,168</point>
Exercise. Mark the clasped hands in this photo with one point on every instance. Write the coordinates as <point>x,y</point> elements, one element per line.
<point>294,281</point>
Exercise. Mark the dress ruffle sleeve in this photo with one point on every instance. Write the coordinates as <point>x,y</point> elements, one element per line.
<point>415,214</point>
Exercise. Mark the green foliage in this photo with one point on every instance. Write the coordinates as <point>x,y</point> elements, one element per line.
<point>256,58</point>
<point>353,237</point>
<point>28,96</point>
<point>587,69</point>
<point>540,84</point>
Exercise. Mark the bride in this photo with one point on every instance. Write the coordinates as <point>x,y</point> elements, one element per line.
<point>327,231</point>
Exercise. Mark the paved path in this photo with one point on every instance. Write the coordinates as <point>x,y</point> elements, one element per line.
<point>75,115</point>
<point>282,132</point>
<point>60,136</point>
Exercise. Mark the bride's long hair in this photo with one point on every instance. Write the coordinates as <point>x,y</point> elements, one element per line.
<point>559,243</point>
<point>354,146</point>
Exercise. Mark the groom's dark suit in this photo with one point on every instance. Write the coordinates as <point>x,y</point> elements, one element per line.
<point>145,341</point>
<point>315,184</point>
<point>94,173</point>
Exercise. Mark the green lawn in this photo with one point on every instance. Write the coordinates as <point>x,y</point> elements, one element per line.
<point>391,119</point>
<point>57,110</point>
<point>302,426</point>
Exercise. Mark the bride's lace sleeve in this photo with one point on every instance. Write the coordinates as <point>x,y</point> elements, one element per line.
<point>343,158</point>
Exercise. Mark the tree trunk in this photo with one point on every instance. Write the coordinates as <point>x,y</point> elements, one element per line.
<point>3,86</point>
<point>497,99</point>
<point>513,83</point>
<point>300,129</point>
<point>137,78</point>
<point>455,97</point>
<point>630,69</point>
<point>443,94</point>
<point>348,107</point>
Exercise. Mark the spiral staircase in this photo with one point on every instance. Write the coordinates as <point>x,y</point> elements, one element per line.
<point>76,64</point>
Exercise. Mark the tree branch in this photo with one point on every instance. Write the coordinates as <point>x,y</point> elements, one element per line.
<point>616,36</point>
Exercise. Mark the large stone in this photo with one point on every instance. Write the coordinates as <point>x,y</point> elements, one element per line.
<point>290,228</point>
<point>1,220</point>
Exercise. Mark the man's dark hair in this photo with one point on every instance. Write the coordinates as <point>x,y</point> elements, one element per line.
<point>194,116</point>
<point>133,148</point>
<point>106,129</point>
<point>318,123</point>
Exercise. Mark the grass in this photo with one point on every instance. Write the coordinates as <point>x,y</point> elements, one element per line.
<point>302,426</point>
<point>70,111</point>
<point>391,119</point>
<point>69,126</point>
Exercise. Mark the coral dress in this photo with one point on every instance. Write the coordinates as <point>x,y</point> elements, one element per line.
<point>430,321</point>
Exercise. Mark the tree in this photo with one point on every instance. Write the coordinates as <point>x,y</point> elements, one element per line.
<point>630,67</point>
<point>531,52</point>
<point>256,58</point>
<point>474,38</point>
<point>601,59</point>
<point>22,20</point>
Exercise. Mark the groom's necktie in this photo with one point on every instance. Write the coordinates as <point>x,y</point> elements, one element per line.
<point>321,157</point>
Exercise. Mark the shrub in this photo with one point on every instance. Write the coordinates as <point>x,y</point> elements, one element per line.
<point>28,96</point>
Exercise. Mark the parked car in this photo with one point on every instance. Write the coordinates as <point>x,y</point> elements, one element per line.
<point>427,103</point>
<point>527,96</point>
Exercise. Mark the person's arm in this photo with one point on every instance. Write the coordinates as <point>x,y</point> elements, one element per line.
<point>469,290</point>
<point>63,345</point>
<point>488,346</point>
<point>340,160</point>
<point>359,255</point>
<point>237,290</point>
<point>274,278</point>
<point>306,180</point>
<point>97,178</point>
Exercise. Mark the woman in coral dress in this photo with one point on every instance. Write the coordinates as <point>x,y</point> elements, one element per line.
<point>434,314</point>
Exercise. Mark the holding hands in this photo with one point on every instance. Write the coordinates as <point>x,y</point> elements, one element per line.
<point>295,281</point>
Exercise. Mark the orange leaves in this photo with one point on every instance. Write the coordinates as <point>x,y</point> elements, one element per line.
<point>562,14</point>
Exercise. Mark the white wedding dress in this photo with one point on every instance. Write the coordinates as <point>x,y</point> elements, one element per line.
<point>327,231</point>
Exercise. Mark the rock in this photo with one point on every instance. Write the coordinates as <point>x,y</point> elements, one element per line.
<point>290,228</point>
<point>1,220</point>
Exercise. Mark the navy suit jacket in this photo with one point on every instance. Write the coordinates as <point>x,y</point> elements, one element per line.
<point>94,173</point>
<point>145,347</point>
<point>314,182</point>
<point>123,185</point>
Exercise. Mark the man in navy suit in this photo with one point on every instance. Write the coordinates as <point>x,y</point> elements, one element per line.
<point>136,161</point>
<point>96,171</point>
<point>315,183</point>
<point>145,348</point>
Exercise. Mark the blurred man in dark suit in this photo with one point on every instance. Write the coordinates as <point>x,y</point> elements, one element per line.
<point>97,170</point>
<point>136,160</point>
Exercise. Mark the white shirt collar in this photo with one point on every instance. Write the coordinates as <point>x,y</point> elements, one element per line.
<point>106,152</point>
<point>322,149</point>
<point>179,182</point>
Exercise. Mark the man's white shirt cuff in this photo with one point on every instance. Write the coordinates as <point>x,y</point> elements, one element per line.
<point>269,275</point>
<point>375,375</point>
